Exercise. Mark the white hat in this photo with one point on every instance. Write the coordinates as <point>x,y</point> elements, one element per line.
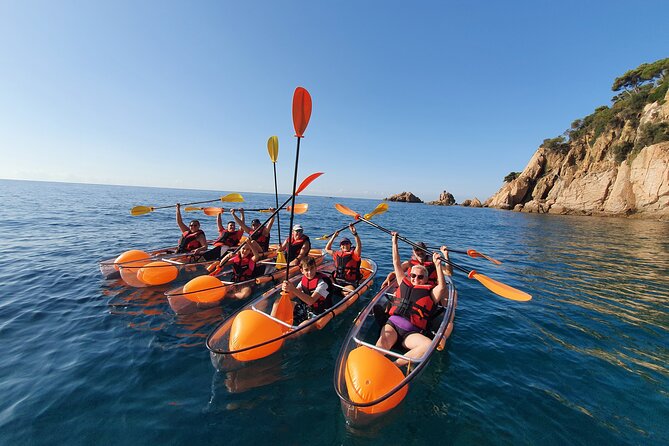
<point>298,228</point>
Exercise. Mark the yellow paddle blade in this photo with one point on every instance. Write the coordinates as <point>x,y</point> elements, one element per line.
<point>499,288</point>
<point>140,210</point>
<point>212,211</point>
<point>273,148</point>
<point>233,198</point>
<point>280,260</point>
<point>284,310</point>
<point>380,209</point>
<point>193,208</point>
<point>346,211</point>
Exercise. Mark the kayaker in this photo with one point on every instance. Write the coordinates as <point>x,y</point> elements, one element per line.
<point>347,260</point>
<point>228,237</point>
<point>244,266</point>
<point>192,237</point>
<point>415,301</point>
<point>299,249</point>
<point>260,234</point>
<point>314,292</point>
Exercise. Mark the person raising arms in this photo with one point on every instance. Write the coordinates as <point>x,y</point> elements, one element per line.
<point>244,266</point>
<point>415,301</point>
<point>261,234</point>
<point>228,237</point>
<point>347,260</point>
<point>192,237</point>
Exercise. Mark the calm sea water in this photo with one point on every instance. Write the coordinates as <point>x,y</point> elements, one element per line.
<point>87,361</point>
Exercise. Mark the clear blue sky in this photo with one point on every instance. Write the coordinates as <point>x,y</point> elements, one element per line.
<point>407,95</point>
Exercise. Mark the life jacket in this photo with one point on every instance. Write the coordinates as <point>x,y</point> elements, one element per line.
<point>260,237</point>
<point>229,238</point>
<point>414,303</point>
<point>309,286</point>
<point>347,266</point>
<point>242,268</point>
<point>431,270</point>
<point>294,249</point>
<point>189,241</point>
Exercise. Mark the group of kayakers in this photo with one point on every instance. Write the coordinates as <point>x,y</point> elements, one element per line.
<point>421,286</point>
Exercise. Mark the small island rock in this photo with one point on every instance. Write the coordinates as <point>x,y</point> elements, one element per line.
<point>407,197</point>
<point>445,199</point>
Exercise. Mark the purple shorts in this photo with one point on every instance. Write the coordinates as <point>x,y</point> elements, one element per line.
<point>402,326</point>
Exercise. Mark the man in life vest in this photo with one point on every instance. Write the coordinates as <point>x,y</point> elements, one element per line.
<point>419,257</point>
<point>256,232</point>
<point>193,240</point>
<point>228,237</point>
<point>415,301</point>
<point>314,292</point>
<point>347,260</point>
<point>299,249</point>
<point>244,266</point>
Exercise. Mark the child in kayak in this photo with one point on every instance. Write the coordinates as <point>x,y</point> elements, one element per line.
<point>314,292</point>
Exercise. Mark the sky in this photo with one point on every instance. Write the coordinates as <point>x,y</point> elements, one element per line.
<point>420,96</point>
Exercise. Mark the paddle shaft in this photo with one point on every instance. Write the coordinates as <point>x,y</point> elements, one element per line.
<point>292,209</point>
<point>276,200</point>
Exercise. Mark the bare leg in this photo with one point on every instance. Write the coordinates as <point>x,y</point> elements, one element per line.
<point>417,345</point>
<point>388,337</point>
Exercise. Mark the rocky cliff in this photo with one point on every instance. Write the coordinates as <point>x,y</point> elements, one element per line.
<point>405,197</point>
<point>611,164</point>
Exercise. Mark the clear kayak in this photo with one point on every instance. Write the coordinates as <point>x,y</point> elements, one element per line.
<point>367,380</point>
<point>253,332</point>
<point>206,291</point>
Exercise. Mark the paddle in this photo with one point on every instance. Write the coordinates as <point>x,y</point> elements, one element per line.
<point>380,209</point>
<point>301,116</point>
<point>496,287</point>
<point>273,150</point>
<point>470,252</point>
<point>141,210</point>
<point>303,185</point>
<point>300,208</point>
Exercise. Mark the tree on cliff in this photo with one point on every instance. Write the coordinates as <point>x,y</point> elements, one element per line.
<point>647,73</point>
<point>511,176</point>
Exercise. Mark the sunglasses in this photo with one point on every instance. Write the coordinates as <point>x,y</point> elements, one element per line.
<point>417,276</point>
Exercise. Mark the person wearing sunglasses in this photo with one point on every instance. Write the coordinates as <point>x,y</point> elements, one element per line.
<point>192,237</point>
<point>414,303</point>
<point>347,260</point>
<point>419,257</point>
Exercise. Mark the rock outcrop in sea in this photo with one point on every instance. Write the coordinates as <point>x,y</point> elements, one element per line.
<point>475,203</point>
<point>445,199</point>
<point>615,162</point>
<point>407,197</point>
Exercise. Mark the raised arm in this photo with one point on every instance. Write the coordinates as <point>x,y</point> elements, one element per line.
<point>270,223</point>
<point>397,264</point>
<point>180,221</point>
<point>257,255</point>
<point>241,221</point>
<point>328,246</point>
<point>219,223</point>
<point>439,291</point>
<point>358,243</point>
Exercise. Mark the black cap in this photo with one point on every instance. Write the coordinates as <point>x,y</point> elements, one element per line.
<point>255,221</point>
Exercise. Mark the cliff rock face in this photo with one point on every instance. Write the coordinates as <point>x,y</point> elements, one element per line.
<point>404,196</point>
<point>586,179</point>
<point>445,199</point>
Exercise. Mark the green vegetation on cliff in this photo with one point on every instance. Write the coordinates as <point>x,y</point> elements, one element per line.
<point>643,85</point>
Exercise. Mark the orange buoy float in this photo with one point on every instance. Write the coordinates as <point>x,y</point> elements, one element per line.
<point>130,256</point>
<point>369,376</point>
<point>251,328</point>
<point>157,273</point>
<point>204,289</point>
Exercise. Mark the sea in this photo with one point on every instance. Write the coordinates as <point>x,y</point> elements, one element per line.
<point>89,361</point>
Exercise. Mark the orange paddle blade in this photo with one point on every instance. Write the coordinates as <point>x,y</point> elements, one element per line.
<point>473,253</point>
<point>499,288</point>
<point>346,211</point>
<point>212,211</point>
<point>284,310</point>
<point>307,181</point>
<point>301,110</point>
<point>299,208</point>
